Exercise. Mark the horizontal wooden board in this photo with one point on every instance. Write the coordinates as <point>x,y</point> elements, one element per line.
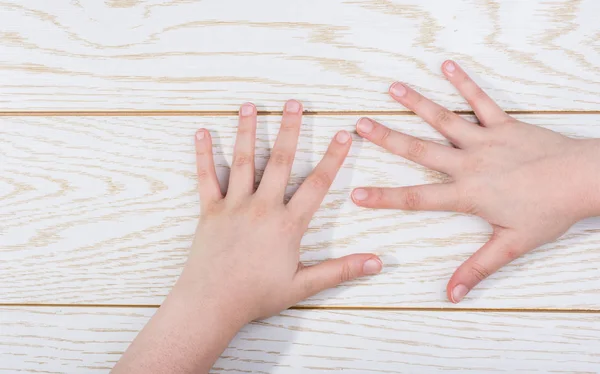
<point>103,210</point>
<point>75,340</point>
<point>333,55</point>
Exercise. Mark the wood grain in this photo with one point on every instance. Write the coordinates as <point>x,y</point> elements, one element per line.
<point>103,210</point>
<point>91,340</point>
<point>334,55</point>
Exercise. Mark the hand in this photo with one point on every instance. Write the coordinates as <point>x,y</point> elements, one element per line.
<point>245,262</point>
<point>246,248</point>
<point>529,183</point>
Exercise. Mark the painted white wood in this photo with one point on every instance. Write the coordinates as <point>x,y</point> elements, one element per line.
<point>103,210</point>
<point>91,340</point>
<point>333,55</point>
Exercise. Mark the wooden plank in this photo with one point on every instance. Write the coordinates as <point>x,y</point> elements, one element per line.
<point>103,210</point>
<point>334,55</point>
<point>68,340</point>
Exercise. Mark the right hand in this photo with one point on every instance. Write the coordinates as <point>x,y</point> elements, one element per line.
<point>531,184</point>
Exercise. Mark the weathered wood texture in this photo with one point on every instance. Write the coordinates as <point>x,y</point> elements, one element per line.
<point>102,210</point>
<point>333,55</point>
<point>90,340</point>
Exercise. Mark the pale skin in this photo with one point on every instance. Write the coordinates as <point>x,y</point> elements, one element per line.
<point>531,184</point>
<point>245,261</point>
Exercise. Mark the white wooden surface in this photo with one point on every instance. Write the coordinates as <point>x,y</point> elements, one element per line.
<point>91,340</point>
<point>101,210</point>
<point>333,55</point>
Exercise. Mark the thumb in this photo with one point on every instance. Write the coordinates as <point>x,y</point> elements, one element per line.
<point>314,279</point>
<point>502,248</point>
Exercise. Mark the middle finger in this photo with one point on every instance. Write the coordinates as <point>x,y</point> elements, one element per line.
<point>277,172</point>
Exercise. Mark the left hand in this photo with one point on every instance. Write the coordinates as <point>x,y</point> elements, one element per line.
<point>531,184</point>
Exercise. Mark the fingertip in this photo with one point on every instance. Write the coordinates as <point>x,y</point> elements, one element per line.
<point>201,135</point>
<point>293,107</point>
<point>343,137</point>
<point>364,126</point>
<point>449,67</point>
<point>397,90</point>
<point>360,195</point>
<point>372,266</point>
<point>247,109</point>
<point>457,293</point>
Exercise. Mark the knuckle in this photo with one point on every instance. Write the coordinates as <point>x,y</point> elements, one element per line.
<point>282,158</point>
<point>467,205</point>
<point>376,197</point>
<point>203,173</point>
<point>443,117</point>
<point>289,225</point>
<point>412,199</point>
<point>418,100</point>
<point>289,126</point>
<point>416,149</point>
<point>335,151</point>
<point>509,121</point>
<point>245,129</point>
<point>242,159</point>
<point>479,271</point>
<point>346,273</point>
<point>308,287</point>
<point>467,193</point>
<point>211,209</point>
<point>475,165</point>
<point>385,135</point>
<point>478,94</point>
<point>320,180</point>
<point>259,210</point>
<point>465,79</point>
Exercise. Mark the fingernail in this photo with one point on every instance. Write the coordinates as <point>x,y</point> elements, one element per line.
<point>360,194</point>
<point>459,292</point>
<point>398,89</point>
<point>450,67</point>
<point>372,266</point>
<point>247,109</point>
<point>292,106</point>
<point>200,134</point>
<point>365,125</point>
<point>342,137</point>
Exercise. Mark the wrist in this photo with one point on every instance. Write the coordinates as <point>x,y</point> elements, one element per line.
<point>188,333</point>
<point>198,297</point>
<point>585,177</point>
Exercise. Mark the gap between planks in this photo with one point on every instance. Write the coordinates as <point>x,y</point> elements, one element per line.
<point>347,308</point>
<point>208,113</point>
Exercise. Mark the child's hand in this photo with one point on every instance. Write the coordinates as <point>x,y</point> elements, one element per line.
<point>246,250</point>
<point>244,263</point>
<point>529,183</point>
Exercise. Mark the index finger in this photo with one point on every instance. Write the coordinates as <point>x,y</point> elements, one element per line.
<point>307,200</point>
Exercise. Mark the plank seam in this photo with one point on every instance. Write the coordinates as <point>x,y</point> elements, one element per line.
<point>204,113</point>
<point>339,308</point>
